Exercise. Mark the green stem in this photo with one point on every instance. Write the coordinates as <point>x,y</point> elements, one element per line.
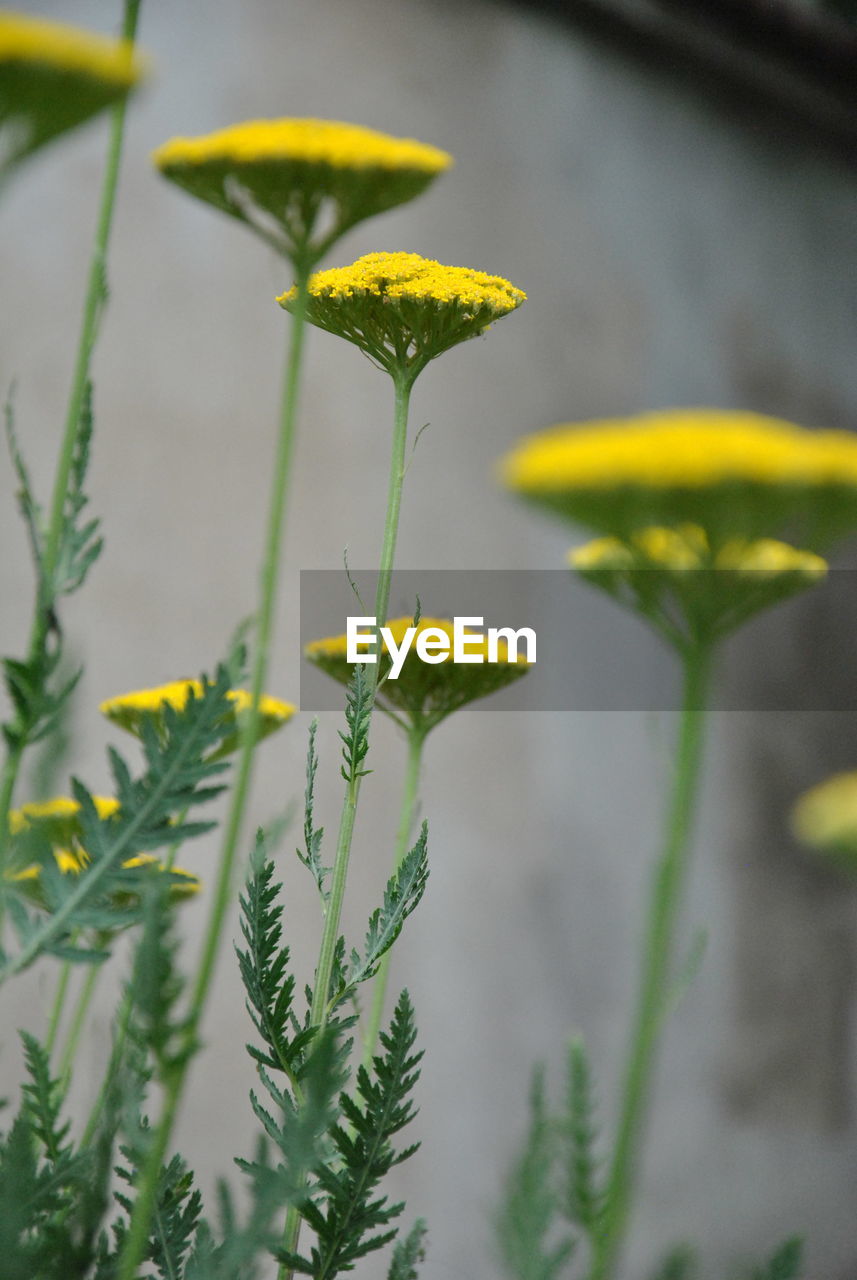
<point>138,1230</point>
<point>92,308</point>
<point>321,991</point>
<point>57,1007</point>
<point>84,1000</point>
<point>653,994</point>
<point>403,382</point>
<point>416,739</point>
<point>123,1021</point>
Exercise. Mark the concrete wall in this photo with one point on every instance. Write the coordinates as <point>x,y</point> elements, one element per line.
<point>672,254</point>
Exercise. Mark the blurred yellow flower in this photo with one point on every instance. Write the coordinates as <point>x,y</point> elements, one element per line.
<point>130,710</point>
<point>290,169</point>
<point>736,474</point>
<point>53,77</point>
<point>403,310</point>
<point>825,817</point>
<point>689,589</point>
<point>426,692</point>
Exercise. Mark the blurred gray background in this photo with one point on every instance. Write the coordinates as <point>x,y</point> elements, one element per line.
<point>681,212</point>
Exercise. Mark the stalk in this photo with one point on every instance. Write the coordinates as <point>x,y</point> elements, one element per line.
<point>666,894</point>
<point>321,990</point>
<point>416,739</point>
<point>318,1012</point>
<point>138,1230</point>
<point>92,308</point>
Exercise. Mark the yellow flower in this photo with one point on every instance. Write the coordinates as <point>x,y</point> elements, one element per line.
<point>426,692</point>
<point>690,590</point>
<point>299,171</point>
<point>59,815</point>
<point>734,473</point>
<point>403,310</point>
<point>53,77</point>
<point>825,817</point>
<point>56,823</point>
<point>130,710</point>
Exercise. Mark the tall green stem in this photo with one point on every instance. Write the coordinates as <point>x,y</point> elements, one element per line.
<point>663,912</point>
<point>138,1230</point>
<point>96,294</point>
<point>321,991</point>
<point>324,969</point>
<point>84,1000</point>
<point>416,739</point>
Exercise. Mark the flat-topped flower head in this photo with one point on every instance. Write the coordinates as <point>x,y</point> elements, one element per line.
<point>301,183</point>
<point>736,474</point>
<point>425,693</point>
<point>403,310</point>
<point>52,828</point>
<point>689,590</point>
<point>825,818</point>
<point>53,77</point>
<point>131,710</point>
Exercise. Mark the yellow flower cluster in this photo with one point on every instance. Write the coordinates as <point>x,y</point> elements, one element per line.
<point>694,592</point>
<point>61,809</point>
<point>307,141</point>
<point>687,448</point>
<point>129,710</point>
<point>31,41</point>
<point>336,647</point>
<point>425,692</point>
<point>415,279</point>
<point>687,548</point>
<point>58,821</point>
<point>402,309</point>
<point>826,815</point>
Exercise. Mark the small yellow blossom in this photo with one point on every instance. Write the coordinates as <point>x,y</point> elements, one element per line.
<point>290,169</point>
<point>53,77</point>
<point>689,589</point>
<point>129,710</point>
<point>402,309</point>
<point>426,692</point>
<point>61,813</point>
<point>734,473</point>
<point>825,817</point>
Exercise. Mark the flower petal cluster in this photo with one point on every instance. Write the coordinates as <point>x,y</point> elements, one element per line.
<point>690,589</point>
<point>55,826</point>
<point>402,309</point>
<point>300,173</point>
<point>53,77</point>
<point>131,710</point>
<point>825,818</point>
<point>425,693</point>
<point>736,474</point>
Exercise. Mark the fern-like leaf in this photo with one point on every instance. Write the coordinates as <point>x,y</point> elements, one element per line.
<point>408,1252</point>
<point>310,855</point>
<point>529,1210</point>
<point>349,1219</point>
<point>585,1197</point>
<point>358,712</point>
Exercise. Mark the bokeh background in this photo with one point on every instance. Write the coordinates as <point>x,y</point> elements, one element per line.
<point>676,193</point>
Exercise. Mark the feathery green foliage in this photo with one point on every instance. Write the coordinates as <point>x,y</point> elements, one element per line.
<point>177,777</point>
<point>310,856</point>
<point>784,1264</point>
<point>358,713</point>
<point>402,895</point>
<point>584,1196</point>
<point>679,1264</point>
<point>408,1252</point>
<point>348,1218</point>
<point>526,1220</point>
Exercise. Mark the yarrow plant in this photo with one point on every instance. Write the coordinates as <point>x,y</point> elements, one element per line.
<point>690,507</point>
